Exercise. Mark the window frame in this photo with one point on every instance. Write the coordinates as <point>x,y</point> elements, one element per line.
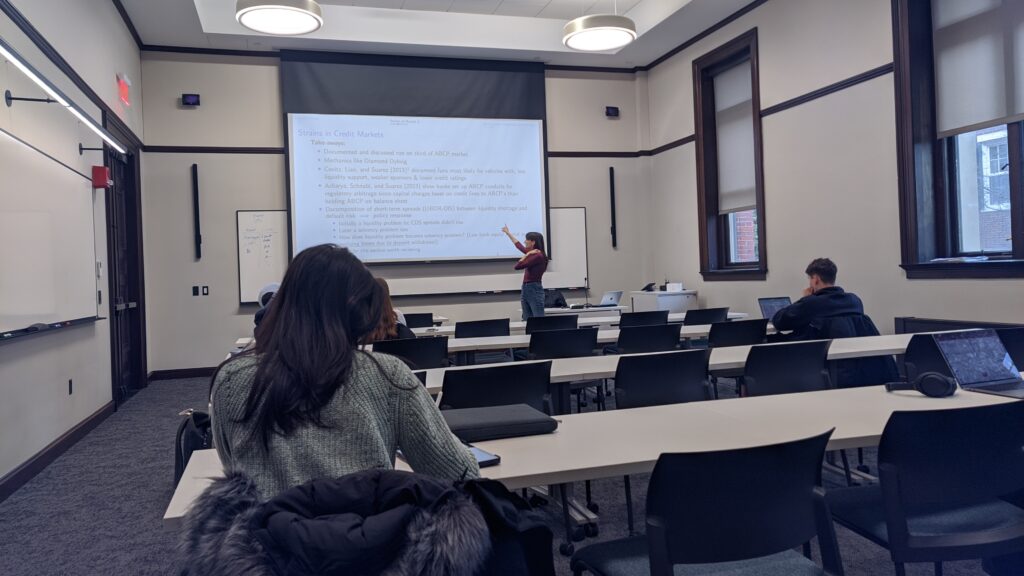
<point>713,227</point>
<point>948,164</point>
<point>927,169</point>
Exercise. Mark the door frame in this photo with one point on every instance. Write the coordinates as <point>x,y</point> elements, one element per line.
<point>136,269</point>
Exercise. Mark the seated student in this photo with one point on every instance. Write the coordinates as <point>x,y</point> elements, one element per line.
<point>821,299</point>
<point>392,326</point>
<point>826,311</point>
<point>307,403</point>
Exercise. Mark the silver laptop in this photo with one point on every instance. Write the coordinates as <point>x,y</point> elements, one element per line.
<point>769,306</point>
<point>610,298</point>
<point>980,363</point>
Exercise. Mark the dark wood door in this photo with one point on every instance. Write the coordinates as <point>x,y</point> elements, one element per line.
<point>124,240</point>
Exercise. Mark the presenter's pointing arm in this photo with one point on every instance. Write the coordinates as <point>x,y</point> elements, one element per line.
<point>513,239</point>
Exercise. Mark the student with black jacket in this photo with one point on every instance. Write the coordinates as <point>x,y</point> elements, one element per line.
<point>822,299</point>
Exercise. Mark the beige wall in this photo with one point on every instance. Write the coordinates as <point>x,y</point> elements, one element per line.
<point>91,36</point>
<point>35,407</point>
<point>829,169</point>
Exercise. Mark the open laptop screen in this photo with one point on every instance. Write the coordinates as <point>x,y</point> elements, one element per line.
<point>976,357</point>
<point>611,298</point>
<point>769,306</point>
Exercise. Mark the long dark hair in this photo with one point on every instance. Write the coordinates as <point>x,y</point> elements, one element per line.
<point>388,326</point>
<point>538,242</point>
<point>327,304</point>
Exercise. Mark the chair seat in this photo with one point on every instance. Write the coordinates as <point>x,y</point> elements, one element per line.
<point>628,557</point>
<point>861,510</point>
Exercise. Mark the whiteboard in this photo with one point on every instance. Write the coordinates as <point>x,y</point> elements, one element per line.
<point>567,269</point>
<point>47,240</point>
<point>262,251</point>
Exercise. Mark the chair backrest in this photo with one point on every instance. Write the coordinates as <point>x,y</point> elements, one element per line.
<point>657,379</point>
<point>856,372</point>
<point>950,457</point>
<point>1013,340</point>
<point>419,319</point>
<point>701,316</point>
<point>482,328</point>
<point>653,338</point>
<point>738,333</point>
<point>418,353</point>
<point>553,322</point>
<point>514,383</point>
<point>706,507</point>
<point>649,318</point>
<point>549,344</point>
<point>787,368</point>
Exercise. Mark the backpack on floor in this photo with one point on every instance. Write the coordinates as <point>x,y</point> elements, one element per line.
<point>194,433</point>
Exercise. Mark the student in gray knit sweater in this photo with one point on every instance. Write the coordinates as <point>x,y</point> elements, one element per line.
<point>307,403</point>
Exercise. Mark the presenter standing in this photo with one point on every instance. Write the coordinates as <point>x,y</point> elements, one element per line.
<point>535,262</point>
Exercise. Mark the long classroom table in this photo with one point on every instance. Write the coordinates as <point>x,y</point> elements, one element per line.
<point>630,441</point>
<point>519,326</point>
<point>484,343</point>
<point>722,359</point>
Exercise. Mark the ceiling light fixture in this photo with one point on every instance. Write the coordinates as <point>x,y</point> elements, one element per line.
<point>279,17</point>
<point>599,32</point>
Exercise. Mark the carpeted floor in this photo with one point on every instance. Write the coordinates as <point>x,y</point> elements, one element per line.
<point>98,508</point>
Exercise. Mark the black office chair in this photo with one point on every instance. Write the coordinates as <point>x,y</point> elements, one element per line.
<point>518,383</point>
<point>701,316</point>
<point>550,344</point>
<point>482,328</point>
<point>418,353</point>
<point>942,476</point>
<point>629,319</point>
<point>652,338</point>
<point>554,322</point>
<point>1013,340</point>
<point>786,368</point>
<point>656,380</point>
<point>419,320</point>
<point>856,372</point>
<point>738,333</point>
<point>705,515</point>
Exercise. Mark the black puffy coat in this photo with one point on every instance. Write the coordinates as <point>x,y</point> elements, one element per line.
<point>373,522</point>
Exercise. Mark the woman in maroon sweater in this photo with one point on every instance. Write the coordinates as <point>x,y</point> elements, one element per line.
<point>535,262</point>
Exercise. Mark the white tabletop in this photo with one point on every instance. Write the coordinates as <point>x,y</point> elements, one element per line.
<point>518,326</point>
<point>730,358</point>
<point>630,441</point>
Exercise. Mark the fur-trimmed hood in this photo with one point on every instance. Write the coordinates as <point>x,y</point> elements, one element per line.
<point>374,522</point>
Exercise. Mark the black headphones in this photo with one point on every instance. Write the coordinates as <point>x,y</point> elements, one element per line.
<point>933,384</point>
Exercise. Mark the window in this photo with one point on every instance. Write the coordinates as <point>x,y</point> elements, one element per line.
<point>960,103</point>
<point>729,183</point>
<point>980,192</point>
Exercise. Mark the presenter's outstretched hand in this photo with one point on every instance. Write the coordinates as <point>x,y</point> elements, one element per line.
<point>505,229</point>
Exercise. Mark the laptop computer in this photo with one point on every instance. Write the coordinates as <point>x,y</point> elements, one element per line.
<point>769,306</point>
<point>980,363</point>
<point>610,298</point>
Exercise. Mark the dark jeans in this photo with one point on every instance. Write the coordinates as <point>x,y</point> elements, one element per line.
<point>532,300</point>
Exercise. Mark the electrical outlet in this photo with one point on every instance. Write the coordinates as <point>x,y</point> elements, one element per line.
<point>195,290</point>
<point>71,387</point>
<point>206,290</point>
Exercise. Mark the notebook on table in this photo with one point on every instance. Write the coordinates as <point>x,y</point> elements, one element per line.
<point>980,363</point>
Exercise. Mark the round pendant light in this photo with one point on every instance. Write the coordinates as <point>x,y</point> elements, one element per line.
<point>279,17</point>
<point>598,32</point>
